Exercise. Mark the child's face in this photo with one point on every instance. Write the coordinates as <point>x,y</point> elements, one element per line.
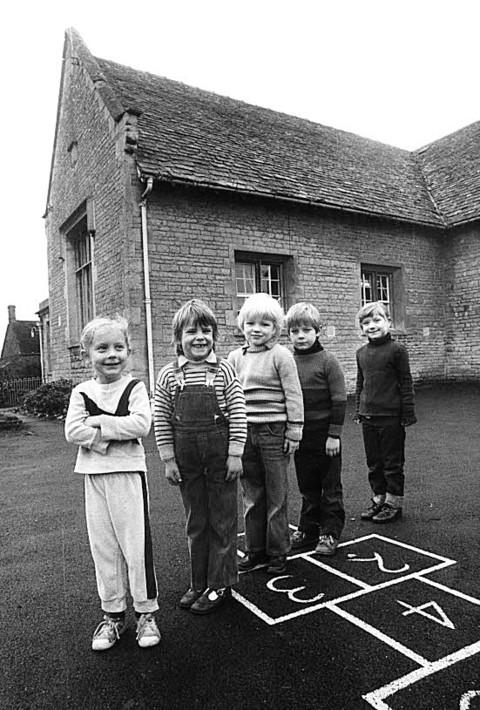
<point>302,336</point>
<point>197,341</point>
<point>108,354</point>
<point>258,331</point>
<point>375,326</point>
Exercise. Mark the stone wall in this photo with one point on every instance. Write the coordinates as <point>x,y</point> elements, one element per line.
<point>194,234</point>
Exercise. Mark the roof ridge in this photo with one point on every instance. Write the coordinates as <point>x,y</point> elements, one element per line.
<point>89,62</point>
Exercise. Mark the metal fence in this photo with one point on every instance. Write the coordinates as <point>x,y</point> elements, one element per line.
<point>13,391</point>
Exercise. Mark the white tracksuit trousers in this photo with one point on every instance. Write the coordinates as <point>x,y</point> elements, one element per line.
<point>116,507</point>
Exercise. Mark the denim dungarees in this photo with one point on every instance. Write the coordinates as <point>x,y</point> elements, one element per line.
<point>210,502</point>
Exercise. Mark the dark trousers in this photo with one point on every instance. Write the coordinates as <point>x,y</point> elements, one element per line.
<point>319,482</point>
<point>384,441</point>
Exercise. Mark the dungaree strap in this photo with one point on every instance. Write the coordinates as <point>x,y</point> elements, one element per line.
<point>212,369</point>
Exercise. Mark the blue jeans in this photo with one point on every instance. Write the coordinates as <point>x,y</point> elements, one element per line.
<point>265,486</point>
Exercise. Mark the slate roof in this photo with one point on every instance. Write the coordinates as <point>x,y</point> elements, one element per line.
<point>451,167</point>
<point>197,137</point>
<point>22,337</point>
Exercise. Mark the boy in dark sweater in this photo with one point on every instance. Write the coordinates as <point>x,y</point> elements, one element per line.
<point>318,460</point>
<point>384,407</point>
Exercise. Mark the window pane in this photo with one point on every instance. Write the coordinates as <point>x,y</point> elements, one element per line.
<point>383,288</point>
<point>270,280</point>
<point>367,290</point>
<point>245,278</point>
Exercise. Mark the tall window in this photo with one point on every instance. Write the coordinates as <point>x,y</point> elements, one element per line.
<point>256,273</point>
<point>377,285</point>
<point>81,243</point>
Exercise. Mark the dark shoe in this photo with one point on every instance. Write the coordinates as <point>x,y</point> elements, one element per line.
<point>190,596</point>
<point>210,600</point>
<point>327,545</point>
<point>371,511</point>
<point>277,565</point>
<point>387,514</point>
<point>300,540</point>
<point>252,560</point>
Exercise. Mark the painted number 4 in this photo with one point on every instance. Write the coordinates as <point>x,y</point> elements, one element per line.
<point>439,616</point>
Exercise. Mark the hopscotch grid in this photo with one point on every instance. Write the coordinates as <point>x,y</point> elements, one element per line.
<point>375,697</point>
<point>364,587</point>
<point>272,621</point>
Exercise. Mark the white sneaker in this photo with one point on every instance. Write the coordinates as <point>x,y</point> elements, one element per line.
<point>148,633</point>
<point>107,633</point>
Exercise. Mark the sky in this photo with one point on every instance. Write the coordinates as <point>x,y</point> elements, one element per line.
<point>403,72</point>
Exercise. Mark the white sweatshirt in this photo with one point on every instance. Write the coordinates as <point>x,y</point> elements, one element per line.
<point>116,445</point>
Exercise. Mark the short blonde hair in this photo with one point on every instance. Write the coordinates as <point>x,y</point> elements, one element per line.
<point>372,309</point>
<point>303,314</point>
<point>262,305</point>
<point>88,333</point>
<point>194,312</point>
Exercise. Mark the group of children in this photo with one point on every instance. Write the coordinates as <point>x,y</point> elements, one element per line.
<point>217,420</point>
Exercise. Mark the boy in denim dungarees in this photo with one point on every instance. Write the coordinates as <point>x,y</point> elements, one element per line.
<point>200,428</point>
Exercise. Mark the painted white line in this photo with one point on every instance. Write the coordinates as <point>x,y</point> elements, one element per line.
<point>391,582</point>
<point>449,590</point>
<point>378,634</point>
<point>254,609</point>
<point>466,697</point>
<point>334,571</point>
<point>376,697</point>
<point>280,619</point>
<point>414,549</point>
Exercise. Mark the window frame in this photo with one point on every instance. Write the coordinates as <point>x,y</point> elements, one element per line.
<point>79,266</point>
<point>260,260</point>
<point>396,305</point>
<point>82,249</point>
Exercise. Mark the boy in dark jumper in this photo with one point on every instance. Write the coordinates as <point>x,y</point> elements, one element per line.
<point>384,407</point>
<point>318,460</point>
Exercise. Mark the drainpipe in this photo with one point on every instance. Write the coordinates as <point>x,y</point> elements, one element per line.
<point>40,341</point>
<point>146,280</point>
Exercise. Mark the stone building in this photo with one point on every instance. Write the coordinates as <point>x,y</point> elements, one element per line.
<point>160,192</point>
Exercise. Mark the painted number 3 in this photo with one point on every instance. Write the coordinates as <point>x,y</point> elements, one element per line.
<point>292,593</point>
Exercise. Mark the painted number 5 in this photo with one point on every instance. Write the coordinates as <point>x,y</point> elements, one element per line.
<point>291,593</point>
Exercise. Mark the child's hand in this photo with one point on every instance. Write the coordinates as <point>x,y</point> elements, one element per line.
<point>289,447</point>
<point>93,422</point>
<point>234,468</point>
<point>357,419</point>
<point>332,446</point>
<point>172,472</point>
